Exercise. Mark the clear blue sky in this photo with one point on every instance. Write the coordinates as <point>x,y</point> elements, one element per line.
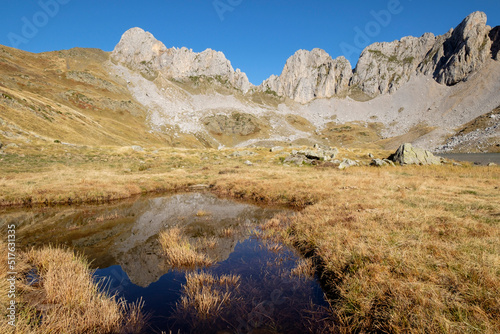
<point>257,36</point>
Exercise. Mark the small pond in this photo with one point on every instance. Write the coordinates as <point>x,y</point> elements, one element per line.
<point>476,158</point>
<point>275,291</point>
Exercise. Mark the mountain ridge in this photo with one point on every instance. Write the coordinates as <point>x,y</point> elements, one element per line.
<point>419,89</point>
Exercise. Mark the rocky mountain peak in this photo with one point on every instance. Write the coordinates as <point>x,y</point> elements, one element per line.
<point>311,74</point>
<point>464,51</point>
<point>141,51</point>
<point>450,58</point>
<point>385,67</point>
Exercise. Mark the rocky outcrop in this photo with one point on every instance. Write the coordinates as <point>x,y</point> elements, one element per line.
<point>406,154</point>
<point>141,51</point>
<point>495,42</point>
<point>307,75</point>
<point>450,58</point>
<point>348,163</point>
<point>468,47</point>
<point>311,74</point>
<point>234,124</point>
<point>381,162</point>
<point>309,156</point>
<point>384,67</point>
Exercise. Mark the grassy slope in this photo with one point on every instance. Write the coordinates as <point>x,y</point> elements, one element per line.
<point>68,96</point>
<point>399,249</point>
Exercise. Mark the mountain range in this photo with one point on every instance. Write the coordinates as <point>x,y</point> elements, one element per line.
<point>439,92</point>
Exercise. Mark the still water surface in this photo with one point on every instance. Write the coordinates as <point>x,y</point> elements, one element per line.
<point>121,240</point>
<point>477,158</point>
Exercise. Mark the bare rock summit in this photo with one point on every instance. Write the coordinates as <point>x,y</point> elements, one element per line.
<point>468,47</point>
<point>384,67</point>
<point>311,74</point>
<point>141,51</point>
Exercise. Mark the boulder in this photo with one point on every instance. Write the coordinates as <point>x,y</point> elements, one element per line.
<point>406,154</point>
<point>137,148</point>
<point>297,159</point>
<point>276,149</point>
<point>347,163</point>
<point>317,153</point>
<point>381,163</point>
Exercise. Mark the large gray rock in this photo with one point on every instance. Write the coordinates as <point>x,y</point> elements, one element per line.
<point>347,163</point>
<point>311,74</point>
<point>318,153</point>
<point>384,67</point>
<point>381,162</point>
<point>406,154</point>
<point>141,51</point>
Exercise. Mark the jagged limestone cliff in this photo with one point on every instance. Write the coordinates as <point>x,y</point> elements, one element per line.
<point>385,67</point>
<point>311,74</point>
<point>141,51</point>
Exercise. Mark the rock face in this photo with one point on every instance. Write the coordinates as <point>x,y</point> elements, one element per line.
<point>495,42</point>
<point>384,67</point>
<point>406,154</point>
<point>450,58</point>
<point>141,51</point>
<point>311,74</point>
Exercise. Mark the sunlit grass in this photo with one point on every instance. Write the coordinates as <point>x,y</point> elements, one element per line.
<point>179,252</point>
<point>398,249</point>
<point>56,293</point>
<point>206,294</point>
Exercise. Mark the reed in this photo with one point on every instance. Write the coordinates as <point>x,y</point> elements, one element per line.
<point>179,252</point>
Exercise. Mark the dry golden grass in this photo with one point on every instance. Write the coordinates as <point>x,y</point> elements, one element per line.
<point>65,298</point>
<point>303,269</point>
<point>400,249</point>
<point>206,294</point>
<point>179,252</point>
<point>410,250</point>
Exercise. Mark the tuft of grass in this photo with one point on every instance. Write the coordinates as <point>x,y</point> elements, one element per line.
<point>64,298</point>
<point>303,269</point>
<point>179,252</point>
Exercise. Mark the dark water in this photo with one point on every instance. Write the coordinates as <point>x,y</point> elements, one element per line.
<point>477,158</point>
<point>121,240</point>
